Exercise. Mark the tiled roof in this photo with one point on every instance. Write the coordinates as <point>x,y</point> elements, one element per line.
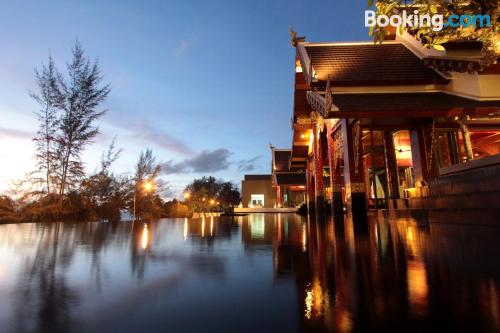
<point>281,160</point>
<point>291,178</point>
<point>389,63</point>
<point>406,102</point>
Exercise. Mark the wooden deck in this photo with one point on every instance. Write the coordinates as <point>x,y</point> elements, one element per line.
<point>265,210</point>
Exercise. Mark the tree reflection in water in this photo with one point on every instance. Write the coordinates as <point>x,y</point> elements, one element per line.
<point>46,302</point>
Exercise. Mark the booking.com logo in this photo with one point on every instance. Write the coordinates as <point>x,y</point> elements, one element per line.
<point>436,22</point>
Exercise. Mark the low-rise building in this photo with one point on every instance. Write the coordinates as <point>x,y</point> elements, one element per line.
<point>257,192</point>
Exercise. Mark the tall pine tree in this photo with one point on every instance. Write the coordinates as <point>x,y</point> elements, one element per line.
<point>83,93</point>
<point>49,98</point>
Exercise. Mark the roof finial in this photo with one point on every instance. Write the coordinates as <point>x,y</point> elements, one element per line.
<point>294,40</point>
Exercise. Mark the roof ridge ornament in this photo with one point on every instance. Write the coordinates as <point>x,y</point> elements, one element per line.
<point>294,40</point>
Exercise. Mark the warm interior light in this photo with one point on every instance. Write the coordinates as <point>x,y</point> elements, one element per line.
<point>311,142</point>
<point>298,66</point>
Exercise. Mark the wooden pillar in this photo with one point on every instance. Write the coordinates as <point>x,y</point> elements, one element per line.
<point>354,171</point>
<point>419,153</point>
<point>391,169</point>
<point>310,184</point>
<point>279,198</point>
<point>334,164</point>
<point>318,170</point>
<point>467,143</point>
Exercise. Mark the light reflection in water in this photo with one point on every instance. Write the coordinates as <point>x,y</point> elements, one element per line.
<point>257,226</point>
<point>186,225</point>
<point>211,226</point>
<point>309,301</point>
<point>317,300</point>
<point>145,238</point>
<point>304,237</point>
<point>417,287</point>
<point>345,322</point>
<point>321,298</point>
<point>203,227</point>
<point>493,300</point>
<point>411,240</point>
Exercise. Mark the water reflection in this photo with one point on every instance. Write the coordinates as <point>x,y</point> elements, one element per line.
<point>273,272</point>
<point>145,240</point>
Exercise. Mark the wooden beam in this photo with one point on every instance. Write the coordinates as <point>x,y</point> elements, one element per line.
<point>404,113</point>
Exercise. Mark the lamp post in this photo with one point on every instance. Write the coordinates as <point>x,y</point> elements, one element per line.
<point>148,187</point>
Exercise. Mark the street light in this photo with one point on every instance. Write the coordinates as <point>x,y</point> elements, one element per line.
<point>148,187</point>
<point>187,195</point>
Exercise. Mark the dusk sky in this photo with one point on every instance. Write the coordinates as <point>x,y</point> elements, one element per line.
<point>207,85</point>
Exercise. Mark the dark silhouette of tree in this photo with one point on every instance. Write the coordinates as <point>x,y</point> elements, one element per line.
<point>147,188</point>
<point>69,108</point>
<point>229,195</point>
<point>208,193</point>
<point>7,210</point>
<point>107,193</point>
<point>83,93</point>
<point>48,97</point>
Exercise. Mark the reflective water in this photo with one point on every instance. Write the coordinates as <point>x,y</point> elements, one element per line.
<point>262,273</point>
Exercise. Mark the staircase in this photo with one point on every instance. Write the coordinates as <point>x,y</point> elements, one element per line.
<point>468,193</point>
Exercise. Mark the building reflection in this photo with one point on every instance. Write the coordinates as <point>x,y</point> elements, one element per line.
<point>380,278</point>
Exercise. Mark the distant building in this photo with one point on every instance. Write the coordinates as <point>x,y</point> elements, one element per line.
<point>257,192</point>
<point>289,183</point>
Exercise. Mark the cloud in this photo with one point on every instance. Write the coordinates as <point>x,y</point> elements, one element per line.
<point>160,138</point>
<point>182,48</point>
<point>170,168</point>
<point>206,161</point>
<point>248,165</point>
<point>16,133</point>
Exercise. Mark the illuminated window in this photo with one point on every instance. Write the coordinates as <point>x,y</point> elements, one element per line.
<point>257,200</point>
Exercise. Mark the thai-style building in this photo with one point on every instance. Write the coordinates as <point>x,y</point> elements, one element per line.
<point>391,126</point>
